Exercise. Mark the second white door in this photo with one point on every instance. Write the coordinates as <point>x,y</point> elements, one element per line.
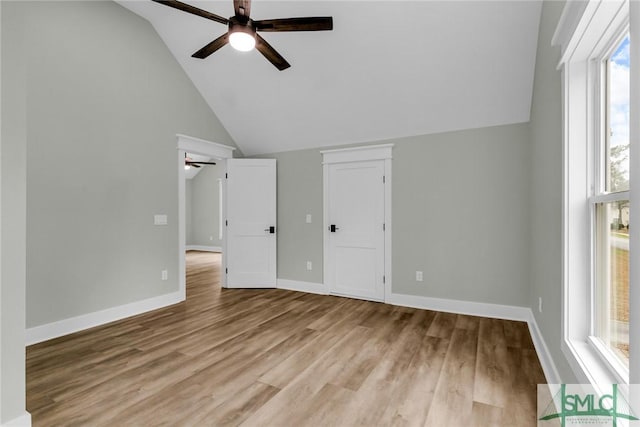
<point>251,223</point>
<point>356,229</point>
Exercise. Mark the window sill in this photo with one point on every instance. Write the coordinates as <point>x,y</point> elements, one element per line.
<point>588,365</point>
<point>609,358</point>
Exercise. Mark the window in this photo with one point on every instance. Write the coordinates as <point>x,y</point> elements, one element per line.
<point>610,206</point>
<point>595,52</point>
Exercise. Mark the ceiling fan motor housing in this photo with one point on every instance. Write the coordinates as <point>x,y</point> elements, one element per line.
<point>241,24</point>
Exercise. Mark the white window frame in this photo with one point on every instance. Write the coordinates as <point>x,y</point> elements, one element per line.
<point>586,32</point>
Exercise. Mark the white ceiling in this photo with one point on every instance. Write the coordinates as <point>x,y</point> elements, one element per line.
<point>388,69</point>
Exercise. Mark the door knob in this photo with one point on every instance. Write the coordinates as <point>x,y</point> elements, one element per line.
<point>271,230</point>
<point>333,228</point>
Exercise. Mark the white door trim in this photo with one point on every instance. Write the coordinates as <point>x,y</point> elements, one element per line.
<point>188,144</point>
<point>359,154</point>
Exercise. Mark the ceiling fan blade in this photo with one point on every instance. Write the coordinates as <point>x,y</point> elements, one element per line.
<point>193,165</point>
<point>271,54</point>
<point>193,10</point>
<point>212,47</point>
<point>295,24</point>
<point>242,7</point>
<point>200,163</point>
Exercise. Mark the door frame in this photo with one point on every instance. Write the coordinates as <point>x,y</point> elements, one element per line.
<point>220,152</point>
<point>351,155</point>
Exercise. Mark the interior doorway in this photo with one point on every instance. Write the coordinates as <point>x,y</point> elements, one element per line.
<point>218,153</point>
<point>204,207</point>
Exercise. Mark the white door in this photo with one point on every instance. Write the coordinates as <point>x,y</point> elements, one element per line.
<point>251,223</point>
<point>356,229</point>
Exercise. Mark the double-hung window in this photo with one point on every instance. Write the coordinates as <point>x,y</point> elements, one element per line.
<point>610,206</point>
<point>598,150</point>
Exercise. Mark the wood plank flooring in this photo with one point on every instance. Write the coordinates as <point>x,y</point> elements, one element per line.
<point>282,358</point>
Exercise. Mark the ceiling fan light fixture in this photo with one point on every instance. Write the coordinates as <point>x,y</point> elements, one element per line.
<point>242,41</point>
<point>242,33</point>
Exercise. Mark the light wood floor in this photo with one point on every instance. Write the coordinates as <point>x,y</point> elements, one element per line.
<point>282,358</point>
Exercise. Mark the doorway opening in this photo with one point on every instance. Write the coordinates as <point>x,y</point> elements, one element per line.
<point>204,210</point>
<point>218,153</point>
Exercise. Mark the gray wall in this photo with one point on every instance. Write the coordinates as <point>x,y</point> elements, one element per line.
<point>546,190</point>
<point>105,99</point>
<point>460,215</point>
<point>13,224</point>
<point>205,206</point>
<point>299,192</point>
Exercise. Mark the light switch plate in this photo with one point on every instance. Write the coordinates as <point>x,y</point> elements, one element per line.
<point>159,219</point>
<point>308,219</point>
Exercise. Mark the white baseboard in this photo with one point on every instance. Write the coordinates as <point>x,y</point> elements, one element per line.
<point>203,248</point>
<point>497,311</point>
<point>549,368</point>
<point>295,285</point>
<point>23,420</point>
<point>68,326</point>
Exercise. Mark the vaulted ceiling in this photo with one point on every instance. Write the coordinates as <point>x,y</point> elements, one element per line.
<point>388,69</point>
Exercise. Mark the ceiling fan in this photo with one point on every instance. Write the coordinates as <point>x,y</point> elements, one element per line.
<point>242,34</point>
<point>189,162</point>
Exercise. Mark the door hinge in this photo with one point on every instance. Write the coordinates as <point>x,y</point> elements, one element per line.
<point>384,226</point>
<point>384,279</point>
<point>226,223</point>
<point>226,175</point>
<point>384,179</point>
<point>226,271</point>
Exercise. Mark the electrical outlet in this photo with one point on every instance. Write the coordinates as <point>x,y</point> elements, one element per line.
<point>308,219</point>
<point>164,275</point>
<point>540,304</point>
<point>418,276</point>
<point>309,265</point>
<point>210,237</point>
